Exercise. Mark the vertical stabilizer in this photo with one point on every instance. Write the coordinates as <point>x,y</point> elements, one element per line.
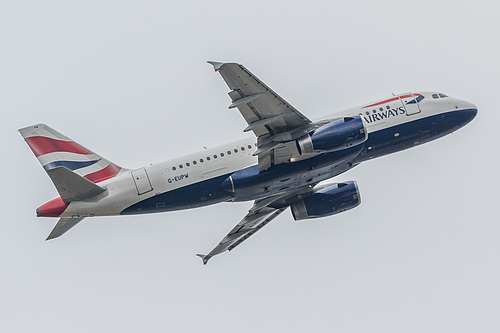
<point>54,149</point>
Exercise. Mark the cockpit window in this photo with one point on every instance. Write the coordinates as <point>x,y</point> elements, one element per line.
<point>440,95</point>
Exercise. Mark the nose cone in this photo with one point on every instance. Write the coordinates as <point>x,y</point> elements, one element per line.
<point>469,111</point>
<point>463,114</point>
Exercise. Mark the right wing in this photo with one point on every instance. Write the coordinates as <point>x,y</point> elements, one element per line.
<point>263,211</point>
<point>273,120</point>
<point>250,224</point>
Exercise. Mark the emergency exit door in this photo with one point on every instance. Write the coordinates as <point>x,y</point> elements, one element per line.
<point>410,103</point>
<point>141,181</point>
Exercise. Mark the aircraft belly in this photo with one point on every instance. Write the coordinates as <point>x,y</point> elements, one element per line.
<point>290,176</point>
<point>195,195</point>
<point>250,184</point>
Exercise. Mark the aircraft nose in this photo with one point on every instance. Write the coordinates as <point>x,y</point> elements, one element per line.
<point>466,111</point>
<point>470,110</point>
<point>473,112</point>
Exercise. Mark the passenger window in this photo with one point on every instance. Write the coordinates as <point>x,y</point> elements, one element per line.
<point>374,111</point>
<point>249,147</point>
<point>242,148</point>
<point>215,157</point>
<point>174,168</point>
<point>229,152</point>
<point>368,113</point>
<point>388,107</point>
<point>187,164</point>
<point>221,154</point>
<point>208,158</point>
<point>381,109</point>
<point>201,160</point>
<point>194,162</point>
<point>236,150</point>
<point>181,166</point>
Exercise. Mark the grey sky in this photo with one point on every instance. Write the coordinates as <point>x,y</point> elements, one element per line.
<point>129,80</point>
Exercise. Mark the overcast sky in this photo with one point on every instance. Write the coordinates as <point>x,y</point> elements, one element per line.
<point>129,81</point>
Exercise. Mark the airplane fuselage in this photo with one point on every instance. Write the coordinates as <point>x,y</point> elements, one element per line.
<point>230,172</point>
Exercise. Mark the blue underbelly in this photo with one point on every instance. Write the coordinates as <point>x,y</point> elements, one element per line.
<point>250,184</point>
<point>200,194</point>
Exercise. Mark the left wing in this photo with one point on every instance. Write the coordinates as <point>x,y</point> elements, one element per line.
<point>273,120</point>
<point>262,212</point>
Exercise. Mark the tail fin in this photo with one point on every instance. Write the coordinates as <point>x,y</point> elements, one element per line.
<point>54,149</point>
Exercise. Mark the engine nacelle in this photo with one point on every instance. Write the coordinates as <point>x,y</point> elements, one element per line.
<point>327,200</point>
<point>339,134</point>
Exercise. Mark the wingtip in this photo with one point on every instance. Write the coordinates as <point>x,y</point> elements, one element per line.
<point>216,64</point>
<point>203,258</point>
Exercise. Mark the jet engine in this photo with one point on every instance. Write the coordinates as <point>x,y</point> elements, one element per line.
<point>339,134</point>
<point>327,200</point>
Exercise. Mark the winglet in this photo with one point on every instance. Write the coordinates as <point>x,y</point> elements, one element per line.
<point>203,257</point>
<point>216,65</point>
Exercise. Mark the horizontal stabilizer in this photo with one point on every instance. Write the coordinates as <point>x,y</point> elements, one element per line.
<point>63,225</point>
<point>72,187</point>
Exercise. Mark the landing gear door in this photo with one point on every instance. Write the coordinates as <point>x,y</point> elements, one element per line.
<point>410,103</point>
<point>141,181</point>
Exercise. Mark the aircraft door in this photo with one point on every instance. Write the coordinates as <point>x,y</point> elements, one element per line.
<point>410,103</point>
<point>141,181</point>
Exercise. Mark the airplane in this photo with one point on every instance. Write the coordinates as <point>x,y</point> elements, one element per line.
<point>285,166</point>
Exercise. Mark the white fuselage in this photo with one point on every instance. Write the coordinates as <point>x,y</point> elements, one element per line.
<point>180,175</point>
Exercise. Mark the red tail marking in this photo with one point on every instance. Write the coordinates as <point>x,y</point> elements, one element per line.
<point>108,172</point>
<point>53,208</point>
<point>41,145</point>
